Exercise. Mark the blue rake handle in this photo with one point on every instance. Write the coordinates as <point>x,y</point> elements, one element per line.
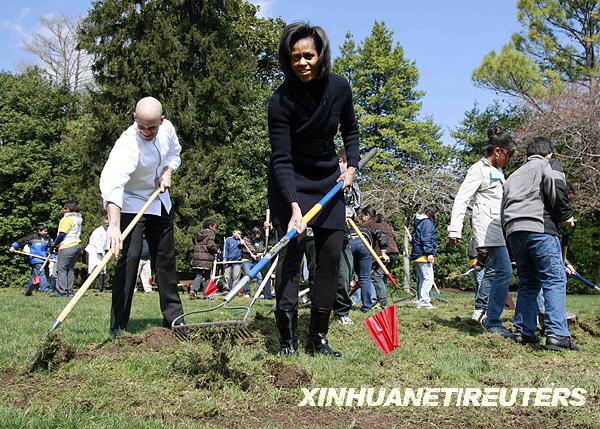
<point>292,233</point>
<point>586,281</point>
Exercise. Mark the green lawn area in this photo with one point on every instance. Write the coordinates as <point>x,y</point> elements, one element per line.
<point>221,381</point>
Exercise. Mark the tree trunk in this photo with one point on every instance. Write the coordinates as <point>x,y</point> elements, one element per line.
<point>405,254</point>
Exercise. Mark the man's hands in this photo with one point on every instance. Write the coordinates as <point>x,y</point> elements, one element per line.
<point>11,249</point>
<point>454,240</point>
<point>569,222</point>
<point>348,177</point>
<point>114,242</point>
<point>164,180</point>
<point>430,259</point>
<point>296,219</point>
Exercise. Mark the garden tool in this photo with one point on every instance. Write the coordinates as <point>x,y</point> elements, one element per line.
<point>84,287</point>
<point>29,254</point>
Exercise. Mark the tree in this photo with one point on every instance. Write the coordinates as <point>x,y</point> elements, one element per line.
<point>57,48</point>
<point>471,135</point>
<point>212,64</point>
<point>559,44</point>
<point>34,113</point>
<point>387,102</point>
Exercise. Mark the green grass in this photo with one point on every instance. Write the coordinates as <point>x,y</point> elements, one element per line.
<point>206,383</point>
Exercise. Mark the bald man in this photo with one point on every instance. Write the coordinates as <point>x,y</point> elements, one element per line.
<point>142,160</point>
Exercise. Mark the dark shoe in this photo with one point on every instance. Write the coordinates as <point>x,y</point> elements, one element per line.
<point>287,323</point>
<point>526,339</point>
<point>192,294</point>
<point>498,330</point>
<point>115,333</point>
<point>559,343</point>
<point>29,291</point>
<point>58,295</point>
<point>317,334</point>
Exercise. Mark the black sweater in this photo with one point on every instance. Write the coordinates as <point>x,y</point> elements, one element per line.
<point>303,120</point>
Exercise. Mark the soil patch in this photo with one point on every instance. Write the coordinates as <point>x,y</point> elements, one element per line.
<point>287,375</point>
<point>159,338</point>
<point>52,353</point>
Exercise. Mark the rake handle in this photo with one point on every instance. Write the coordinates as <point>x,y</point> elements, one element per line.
<point>84,287</point>
<point>375,256</point>
<point>293,232</point>
<point>33,256</point>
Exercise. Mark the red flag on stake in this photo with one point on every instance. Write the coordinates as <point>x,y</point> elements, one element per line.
<point>35,280</point>
<point>383,328</point>
<point>210,288</point>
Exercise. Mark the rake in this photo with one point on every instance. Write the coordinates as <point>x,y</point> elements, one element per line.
<point>182,330</point>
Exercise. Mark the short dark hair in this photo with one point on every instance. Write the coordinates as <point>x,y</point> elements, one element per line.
<point>498,138</point>
<point>208,223</point>
<point>72,206</point>
<point>256,231</point>
<point>540,146</point>
<point>41,227</point>
<point>298,31</point>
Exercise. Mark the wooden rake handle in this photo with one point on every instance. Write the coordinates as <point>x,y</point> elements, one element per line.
<point>375,256</point>
<point>33,256</point>
<point>84,287</point>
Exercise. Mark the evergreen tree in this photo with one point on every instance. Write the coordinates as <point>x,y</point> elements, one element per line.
<point>212,64</point>
<point>387,102</point>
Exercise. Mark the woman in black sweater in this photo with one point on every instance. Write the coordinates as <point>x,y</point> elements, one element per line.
<point>305,113</point>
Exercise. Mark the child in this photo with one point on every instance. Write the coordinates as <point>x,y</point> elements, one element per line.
<point>423,253</point>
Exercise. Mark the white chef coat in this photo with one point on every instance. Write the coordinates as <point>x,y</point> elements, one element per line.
<point>129,176</point>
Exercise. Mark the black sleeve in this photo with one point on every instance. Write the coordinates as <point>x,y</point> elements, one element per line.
<point>380,238</point>
<point>555,191</point>
<point>22,242</point>
<point>281,148</point>
<point>349,128</point>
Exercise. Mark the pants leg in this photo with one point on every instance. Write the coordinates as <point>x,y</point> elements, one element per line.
<point>343,302</point>
<point>66,269</point>
<point>288,273</point>
<point>159,235</point>
<point>378,280</point>
<point>328,248</point>
<point>499,264</point>
<point>425,270</point>
<point>363,265</point>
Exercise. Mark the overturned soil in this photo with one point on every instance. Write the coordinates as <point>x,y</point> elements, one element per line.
<point>287,375</point>
<point>158,338</point>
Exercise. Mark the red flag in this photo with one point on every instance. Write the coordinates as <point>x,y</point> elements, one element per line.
<point>35,280</point>
<point>210,288</point>
<point>383,328</point>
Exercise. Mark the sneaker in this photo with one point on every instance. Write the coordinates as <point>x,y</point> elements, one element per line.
<point>378,306</point>
<point>559,343</point>
<point>427,305</point>
<point>247,295</point>
<point>192,294</point>
<point>499,330</point>
<point>526,339</point>
<point>345,320</point>
<point>478,314</point>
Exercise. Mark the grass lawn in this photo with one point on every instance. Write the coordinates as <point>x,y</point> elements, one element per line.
<point>148,380</point>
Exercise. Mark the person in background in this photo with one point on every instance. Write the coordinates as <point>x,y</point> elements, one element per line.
<point>534,205</point>
<point>68,242</point>
<point>232,252</point>
<point>39,244</point>
<point>483,186</point>
<point>205,251</point>
<point>343,301</point>
<point>145,267</point>
<point>423,253</point>
<point>96,249</point>
<point>252,248</point>
<point>371,219</point>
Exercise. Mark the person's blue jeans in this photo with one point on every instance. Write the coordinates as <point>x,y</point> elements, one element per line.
<point>43,285</point>
<point>540,267</point>
<point>477,278</point>
<point>493,290</point>
<point>247,267</point>
<point>424,274</point>
<point>362,265</point>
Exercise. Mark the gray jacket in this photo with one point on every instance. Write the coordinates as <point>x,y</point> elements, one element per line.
<point>535,198</point>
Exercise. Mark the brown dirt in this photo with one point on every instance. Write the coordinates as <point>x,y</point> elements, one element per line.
<point>158,338</point>
<point>287,375</point>
<point>52,353</point>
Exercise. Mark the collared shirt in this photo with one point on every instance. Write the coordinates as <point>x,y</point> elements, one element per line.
<point>483,186</point>
<point>129,176</point>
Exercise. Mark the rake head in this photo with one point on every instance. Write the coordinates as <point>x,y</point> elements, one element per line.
<point>229,330</point>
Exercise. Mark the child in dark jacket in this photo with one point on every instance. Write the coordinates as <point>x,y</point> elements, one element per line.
<point>423,253</point>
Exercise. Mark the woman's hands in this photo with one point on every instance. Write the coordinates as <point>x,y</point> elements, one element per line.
<point>348,177</point>
<point>296,219</point>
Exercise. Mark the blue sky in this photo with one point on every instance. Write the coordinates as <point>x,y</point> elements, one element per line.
<point>446,39</point>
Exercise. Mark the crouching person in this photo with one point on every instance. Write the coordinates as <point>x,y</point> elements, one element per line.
<point>535,202</point>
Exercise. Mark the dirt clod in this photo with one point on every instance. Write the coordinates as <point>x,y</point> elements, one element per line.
<point>159,338</point>
<point>52,353</point>
<point>287,375</point>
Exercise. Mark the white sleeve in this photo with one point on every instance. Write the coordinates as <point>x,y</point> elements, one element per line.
<point>122,162</point>
<point>465,194</point>
<point>173,155</point>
